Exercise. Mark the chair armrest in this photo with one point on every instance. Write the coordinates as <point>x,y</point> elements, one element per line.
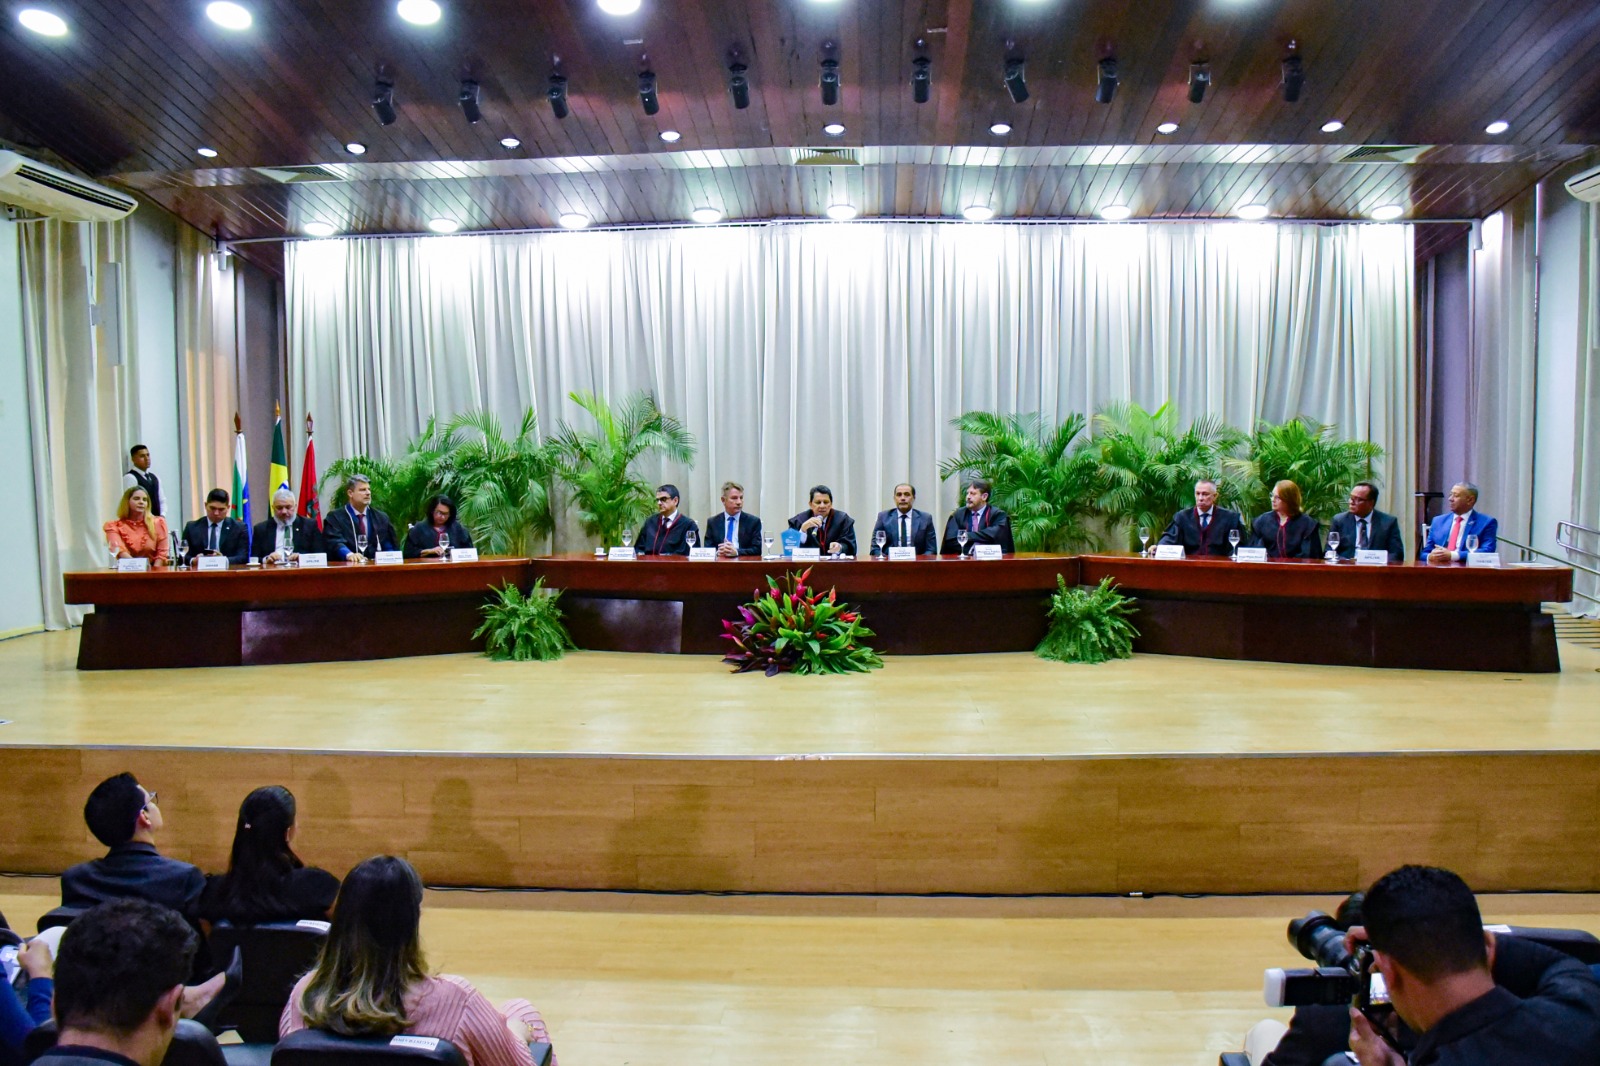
<point>1234,1058</point>
<point>541,1053</point>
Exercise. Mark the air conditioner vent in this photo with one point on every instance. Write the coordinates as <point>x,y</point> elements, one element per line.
<point>1386,153</point>
<point>295,174</point>
<point>825,157</point>
<point>53,193</point>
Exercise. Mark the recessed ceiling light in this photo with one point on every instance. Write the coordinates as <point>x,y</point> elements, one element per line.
<point>670,136</point>
<point>841,212</point>
<point>419,12</point>
<point>40,21</point>
<point>833,129</point>
<point>510,142</point>
<point>443,225</point>
<point>977,213</point>
<point>1000,129</point>
<point>573,220</point>
<point>1332,126</point>
<point>1388,212</point>
<point>356,148</point>
<point>319,229</point>
<point>1252,212</point>
<point>618,7</point>
<point>1167,127</point>
<point>1115,212</point>
<point>209,153</point>
<point>1497,127</point>
<point>228,15</point>
<point>706,215</point>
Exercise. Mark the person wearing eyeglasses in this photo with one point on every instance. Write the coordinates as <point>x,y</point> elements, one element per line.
<point>125,817</point>
<point>666,531</point>
<point>1365,528</point>
<point>1286,531</point>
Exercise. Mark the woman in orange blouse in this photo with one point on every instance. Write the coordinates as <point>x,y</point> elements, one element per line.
<point>137,534</point>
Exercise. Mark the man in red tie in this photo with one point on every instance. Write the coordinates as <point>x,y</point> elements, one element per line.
<point>667,531</point>
<point>984,524</point>
<point>358,531</point>
<point>1447,540</point>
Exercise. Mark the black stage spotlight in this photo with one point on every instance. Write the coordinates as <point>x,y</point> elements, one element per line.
<point>921,78</point>
<point>1014,83</point>
<point>383,102</point>
<point>468,98</point>
<point>1199,81</point>
<point>1294,79</point>
<point>1106,87</point>
<point>647,92</point>
<point>830,82</point>
<point>557,94</point>
<point>739,85</point>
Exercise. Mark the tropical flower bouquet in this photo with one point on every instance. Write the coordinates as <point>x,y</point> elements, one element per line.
<point>799,629</point>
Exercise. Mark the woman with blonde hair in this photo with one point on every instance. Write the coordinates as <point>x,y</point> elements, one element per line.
<point>1286,531</point>
<point>136,533</point>
<point>371,978</point>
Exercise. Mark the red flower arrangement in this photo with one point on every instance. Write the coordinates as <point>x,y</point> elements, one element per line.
<point>799,629</point>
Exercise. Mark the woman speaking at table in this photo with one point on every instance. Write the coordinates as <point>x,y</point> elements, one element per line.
<point>1286,531</point>
<point>136,533</point>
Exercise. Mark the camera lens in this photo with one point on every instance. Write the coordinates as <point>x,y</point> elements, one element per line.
<point>1318,937</point>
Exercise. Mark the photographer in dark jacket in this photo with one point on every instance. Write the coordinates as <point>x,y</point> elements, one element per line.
<point>1476,1000</point>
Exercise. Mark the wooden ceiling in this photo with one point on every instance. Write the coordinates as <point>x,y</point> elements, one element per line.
<point>138,85</point>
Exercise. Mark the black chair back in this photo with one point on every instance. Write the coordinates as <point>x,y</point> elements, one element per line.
<point>192,1045</point>
<point>276,954</point>
<point>310,1047</point>
<point>58,916</point>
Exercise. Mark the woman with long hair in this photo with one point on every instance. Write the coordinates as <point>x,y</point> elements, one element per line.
<point>371,978</point>
<point>266,881</point>
<point>136,533</point>
<point>1286,531</point>
<point>423,540</point>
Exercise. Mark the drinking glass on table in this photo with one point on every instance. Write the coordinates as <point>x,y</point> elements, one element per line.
<point>690,537</point>
<point>766,546</point>
<point>1333,546</point>
<point>361,545</point>
<point>1472,543</point>
<point>880,538</point>
<point>1233,541</point>
<point>1144,540</point>
<point>627,538</point>
<point>961,543</point>
<point>444,544</point>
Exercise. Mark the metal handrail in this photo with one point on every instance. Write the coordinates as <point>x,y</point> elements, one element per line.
<point>1526,551</point>
<point>1571,547</point>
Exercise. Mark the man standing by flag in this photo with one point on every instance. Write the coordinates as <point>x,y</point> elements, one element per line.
<point>241,475</point>
<point>309,507</point>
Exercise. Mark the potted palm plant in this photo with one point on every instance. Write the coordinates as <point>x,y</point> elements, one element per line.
<point>401,484</point>
<point>501,484</point>
<point>1149,464</point>
<point>1045,477</point>
<point>596,466</point>
<point>1309,454</point>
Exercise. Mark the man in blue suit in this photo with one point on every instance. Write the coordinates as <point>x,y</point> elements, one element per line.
<point>1447,537</point>
<point>735,531</point>
<point>904,525</point>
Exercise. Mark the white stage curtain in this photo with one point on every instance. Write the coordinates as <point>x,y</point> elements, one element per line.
<point>1586,470</point>
<point>208,370</point>
<point>801,353</point>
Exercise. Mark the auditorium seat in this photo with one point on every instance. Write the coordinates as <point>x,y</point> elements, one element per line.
<point>310,1047</point>
<point>275,955</point>
<point>192,1045</point>
<point>58,916</point>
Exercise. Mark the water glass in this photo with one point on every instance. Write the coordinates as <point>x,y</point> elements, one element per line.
<point>1233,541</point>
<point>766,546</point>
<point>1144,540</point>
<point>1333,545</point>
<point>690,537</point>
<point>1472,543</point>
<point>880,538</point>
<point>961,543</point>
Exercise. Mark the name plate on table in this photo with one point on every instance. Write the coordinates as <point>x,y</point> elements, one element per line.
<point>211,562</point>
<point>313,559</point>
<point>1489,559</point>
<point>132,566</point>
<point>906,554</point>
<point>1170,551</point>
<point>388,558</point>
<point>807,554</point>
<point>1251,555</point>
<point>702,555</point>
<point>987,551</point>
<point>621,555</point>
<point>463,555</point>
<point>1371,557</point>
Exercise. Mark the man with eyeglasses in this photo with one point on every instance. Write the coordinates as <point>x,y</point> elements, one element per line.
<point>1365,528</point>
<point>665,532</point>
<point>125,817</point>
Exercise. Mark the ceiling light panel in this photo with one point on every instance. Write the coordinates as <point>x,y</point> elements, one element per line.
<point>419,12</point>
<point>43,22</point>
<point>228,15</point>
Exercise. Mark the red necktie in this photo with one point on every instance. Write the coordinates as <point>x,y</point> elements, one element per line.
<point>976,515</point>
<point>361,525</point>
<point>1455,532</point>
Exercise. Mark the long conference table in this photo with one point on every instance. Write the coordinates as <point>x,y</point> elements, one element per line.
<point>1416,616</point>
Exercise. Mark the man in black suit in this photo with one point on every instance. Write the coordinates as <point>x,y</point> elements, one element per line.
<point>822,526</point>
<point>283,537</point>
<point>357,518</point>
<point>666,531</point>
<point>984,524</point>
<point>140,475</point>
<point>218,533</point>
<point>732,531</point>
<point>124,817</point>
<point>1364,526</point>
<point>1203,530</point>
<point>904,525</point>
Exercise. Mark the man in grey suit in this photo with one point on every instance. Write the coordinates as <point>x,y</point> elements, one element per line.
<point>1365,527</point>
<point>905,526</point>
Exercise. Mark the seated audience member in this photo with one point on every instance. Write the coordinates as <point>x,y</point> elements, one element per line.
<point>284,537</point>
<point>1204,529</point>
<point>984,524</point>
<point>903,525</point>
<point>1473,997</point>
<point>371,978</point>
<point>733,531</point>
<point>666,532</point>
<point>218,533</point>
<point>346,528</point>
<point>822,527</point>
<point>1365,528</point>
<point>423,539</point>
<point>266,881</point>
<point>1447,536</point>
<point>125,818</point>
<point>17,1020</point>
<point>140,476</point>
<point>137,533</point>
<point>119,988</point>
<point>1285,531</point>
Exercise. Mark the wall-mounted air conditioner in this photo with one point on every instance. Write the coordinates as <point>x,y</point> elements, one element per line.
<point>47,191</point>
<point>1586,186</point>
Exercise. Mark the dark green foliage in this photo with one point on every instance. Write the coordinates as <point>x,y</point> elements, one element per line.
<point>521,628</point>
<point>1041,480</point>
<point>1307,453</point>
<point>798,629</point>
<point>596,466</point>
<point>501,485</point>
<point>1088,625</point>
<point>401,484</point>
<point>1149,465</point>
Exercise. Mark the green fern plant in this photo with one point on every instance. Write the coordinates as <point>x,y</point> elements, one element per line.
<point>597,466</point>
<point>522,628</point>
<point>1088,625</point>
<point>1148,465</point>
<point>1309,454</point>
<point>1045,477</point>
<point>501,484</point>
<point>401,484</point>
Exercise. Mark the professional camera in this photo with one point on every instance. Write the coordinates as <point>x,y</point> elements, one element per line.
<point>1340,977</point>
